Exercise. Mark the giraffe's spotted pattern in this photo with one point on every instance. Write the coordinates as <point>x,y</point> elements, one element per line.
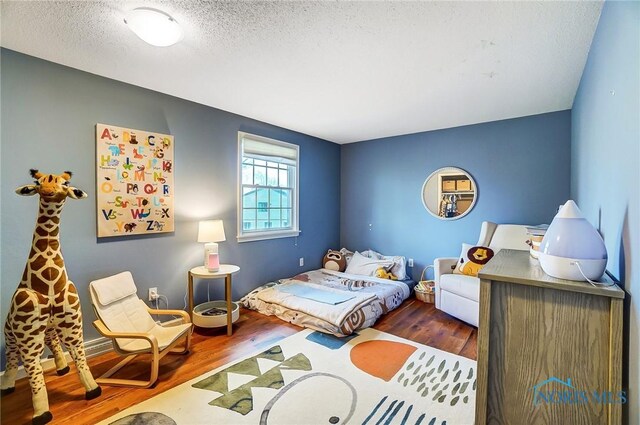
<point>45,309</point>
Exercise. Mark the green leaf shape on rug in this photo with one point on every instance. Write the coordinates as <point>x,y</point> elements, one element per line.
<point>430,361</point>
<point>441,366</point>
<point>455,389</point>
<point>455,400</point>
<point>240,399</point>
<point>219,381</point>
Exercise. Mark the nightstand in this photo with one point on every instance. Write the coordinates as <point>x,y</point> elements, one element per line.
<point>225,271</point>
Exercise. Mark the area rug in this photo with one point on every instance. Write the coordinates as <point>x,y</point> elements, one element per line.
<point>312,378</point>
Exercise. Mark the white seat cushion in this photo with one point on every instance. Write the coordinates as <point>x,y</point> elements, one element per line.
<point>165,336</point>
<point>462,285</point>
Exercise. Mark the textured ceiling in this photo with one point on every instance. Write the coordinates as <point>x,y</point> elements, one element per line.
<point>345,71</point>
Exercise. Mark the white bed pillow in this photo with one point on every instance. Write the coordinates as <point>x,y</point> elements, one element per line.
<point>362,265</point>
<point>399,268</point>
<point>346,254</point>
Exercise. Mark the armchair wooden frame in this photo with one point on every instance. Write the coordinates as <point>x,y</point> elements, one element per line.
<point>154,351</point>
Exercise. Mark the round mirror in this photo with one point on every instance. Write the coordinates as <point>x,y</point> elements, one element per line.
<point>449,193</point>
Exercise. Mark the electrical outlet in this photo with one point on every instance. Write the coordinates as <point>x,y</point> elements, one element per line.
<point>153,294</point>
<point>301,261</point>
<point>410,262</point>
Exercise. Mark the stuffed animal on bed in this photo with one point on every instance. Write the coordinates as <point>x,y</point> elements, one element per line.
<point>382,273</point>
<point>334,260</point>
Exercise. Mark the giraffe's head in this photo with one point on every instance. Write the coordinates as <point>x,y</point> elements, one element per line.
<point>51,187</point>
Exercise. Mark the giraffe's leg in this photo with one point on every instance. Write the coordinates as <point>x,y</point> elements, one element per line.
<point>8,380</point>
<point>70,329</point>
<point>51,340</point>
<point>30,322</point>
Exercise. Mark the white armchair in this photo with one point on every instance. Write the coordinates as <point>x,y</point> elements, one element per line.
<point>127,321</point>
<point>458,294</point>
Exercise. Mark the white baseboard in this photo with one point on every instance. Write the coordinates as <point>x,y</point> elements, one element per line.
<point>92,348</point>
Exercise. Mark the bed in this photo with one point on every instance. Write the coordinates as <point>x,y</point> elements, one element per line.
<point>329,301</point>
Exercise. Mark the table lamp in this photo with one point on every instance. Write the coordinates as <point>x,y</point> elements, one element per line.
<point>572,248</point>
<point>210,232</point>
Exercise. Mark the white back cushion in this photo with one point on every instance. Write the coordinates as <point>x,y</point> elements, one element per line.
<point>509,236</point>
<point>118,306</point>
<point>114,288</point>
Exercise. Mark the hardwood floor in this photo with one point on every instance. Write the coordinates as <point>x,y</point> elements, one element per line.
<point>211,348</point>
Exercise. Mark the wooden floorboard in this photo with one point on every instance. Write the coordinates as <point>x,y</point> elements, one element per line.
<point>211,348</point>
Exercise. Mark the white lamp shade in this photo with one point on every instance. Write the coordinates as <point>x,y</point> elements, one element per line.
<point>571,239</point>
<point>154,26</point>
<point>211,231</point>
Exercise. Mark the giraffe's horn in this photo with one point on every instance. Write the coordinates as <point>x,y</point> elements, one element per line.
<point>35,173</point>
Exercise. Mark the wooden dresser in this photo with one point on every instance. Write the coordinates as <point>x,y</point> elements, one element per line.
<point>545,345</point>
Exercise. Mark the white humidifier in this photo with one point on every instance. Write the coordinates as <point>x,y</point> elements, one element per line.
<point>572,248</point>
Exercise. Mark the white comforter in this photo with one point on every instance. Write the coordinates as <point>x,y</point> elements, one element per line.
<point>372,298</point>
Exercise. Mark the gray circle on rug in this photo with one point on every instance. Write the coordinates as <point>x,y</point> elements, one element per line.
<point>146,418</point>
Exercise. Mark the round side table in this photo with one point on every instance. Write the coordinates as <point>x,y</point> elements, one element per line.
<point>225,271</point>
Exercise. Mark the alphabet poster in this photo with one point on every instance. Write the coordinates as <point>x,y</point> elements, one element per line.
<point>134,181</point>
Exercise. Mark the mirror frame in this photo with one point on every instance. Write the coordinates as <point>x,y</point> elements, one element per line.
<point>473,185</point>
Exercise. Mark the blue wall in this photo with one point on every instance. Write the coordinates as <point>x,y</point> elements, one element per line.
<point>605,162</point>
<point>48,118</point>
<point>521,167</point>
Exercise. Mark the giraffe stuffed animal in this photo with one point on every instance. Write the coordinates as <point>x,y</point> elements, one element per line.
<point>45,309</point>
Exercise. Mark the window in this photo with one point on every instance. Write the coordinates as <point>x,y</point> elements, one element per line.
<point>268,189</point>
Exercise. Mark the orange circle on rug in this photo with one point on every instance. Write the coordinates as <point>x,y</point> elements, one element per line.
<point>381,359</point>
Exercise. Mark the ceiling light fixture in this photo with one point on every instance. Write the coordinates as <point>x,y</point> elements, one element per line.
<point>153,26</point>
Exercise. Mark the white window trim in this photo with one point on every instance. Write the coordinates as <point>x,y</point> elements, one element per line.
<point>259,235</point>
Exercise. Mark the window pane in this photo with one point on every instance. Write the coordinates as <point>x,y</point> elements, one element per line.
<point>272,164</point>
<point>263,214</point>
<point>262,206</point>
<point>248,197</point>
<point>247,160</point>
<point>263,224</point>
<point>259,162</point>
<point>284,178</point>
<point>272,177</point>
<point>249,214</point>
<point>263,195</point>
<point>286,198</point>
<point>275,224</point>
<point>274,214</point>
<point>274,198</point>
<point>247,174</point>
<point>260,176</point>
<point>286,217</point>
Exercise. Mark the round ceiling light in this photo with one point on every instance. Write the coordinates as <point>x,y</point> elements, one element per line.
<point>153,26</point>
